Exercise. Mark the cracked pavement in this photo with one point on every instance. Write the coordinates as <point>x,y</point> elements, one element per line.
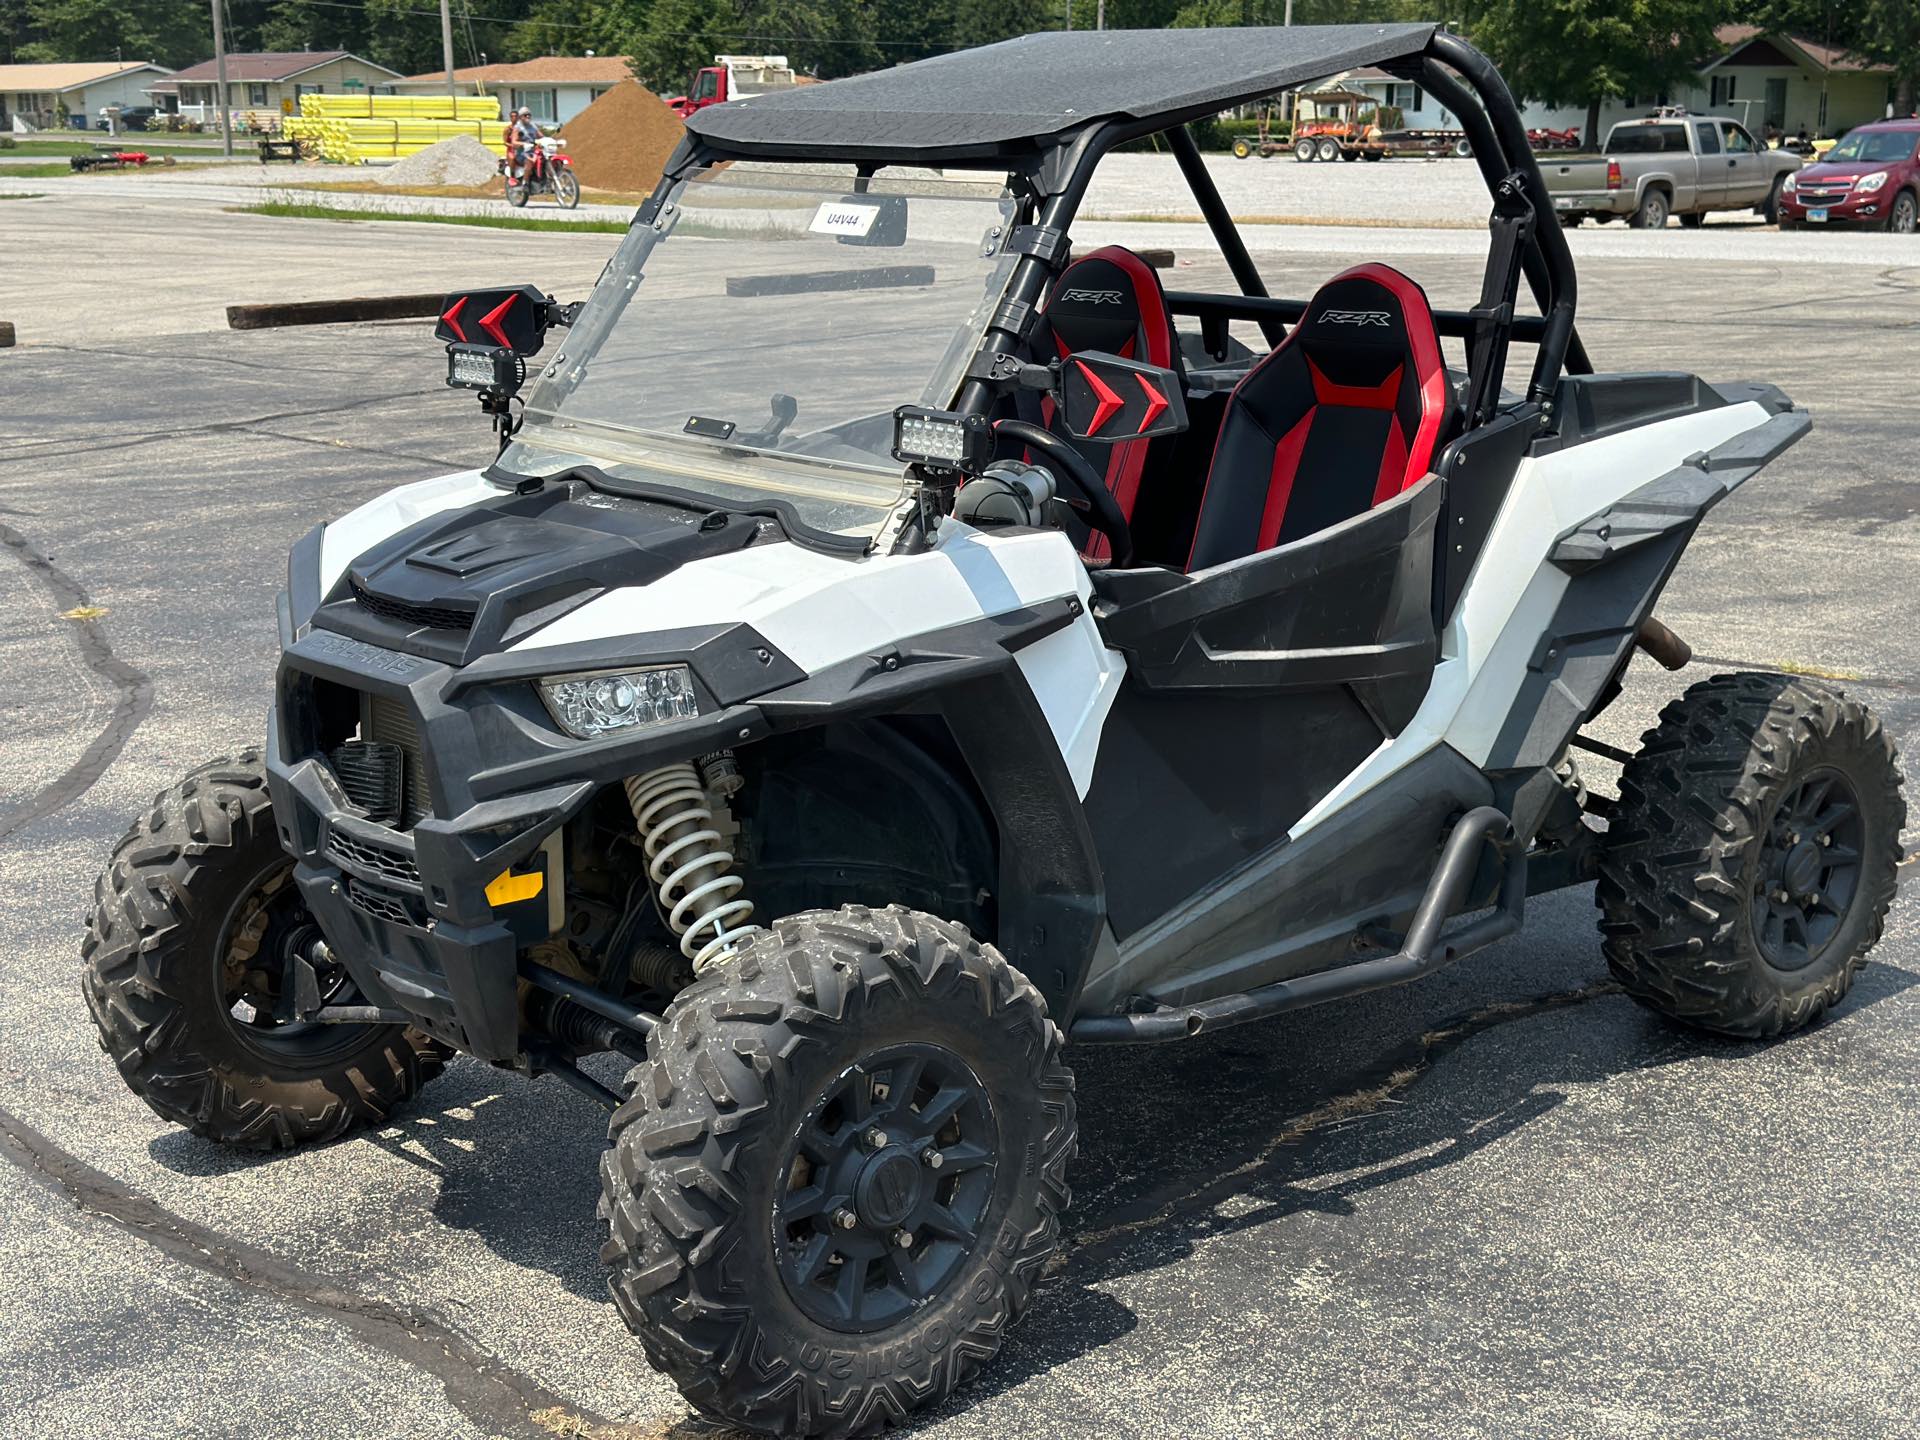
<point>1503,1202</point>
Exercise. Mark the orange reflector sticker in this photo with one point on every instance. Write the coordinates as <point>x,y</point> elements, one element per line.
<point>507,888</point>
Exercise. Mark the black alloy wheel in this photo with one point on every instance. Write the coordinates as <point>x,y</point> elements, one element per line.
<point>887,1188</point>
<point>1808,871</point>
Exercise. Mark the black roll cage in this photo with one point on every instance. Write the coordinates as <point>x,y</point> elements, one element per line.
<point>1526,239</point>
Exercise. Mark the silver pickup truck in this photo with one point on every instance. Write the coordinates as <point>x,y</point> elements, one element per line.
<point>1670,164</point>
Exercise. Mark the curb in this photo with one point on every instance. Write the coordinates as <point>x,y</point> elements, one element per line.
<point>334,312</point>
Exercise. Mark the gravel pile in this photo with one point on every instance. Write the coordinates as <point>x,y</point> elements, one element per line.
<point>461,160</point>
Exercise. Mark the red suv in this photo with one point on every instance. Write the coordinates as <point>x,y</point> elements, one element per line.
<point>1870,178</point>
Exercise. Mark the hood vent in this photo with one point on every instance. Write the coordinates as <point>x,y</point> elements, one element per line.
<point>430,617</point>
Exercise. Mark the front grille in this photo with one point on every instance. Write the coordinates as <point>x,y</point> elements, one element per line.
<point>385,905</point>
<point>433,617</point>
<point>1822,197</point>
<point>354,850</point>
<point>374,777</point>
<point>387,721</point>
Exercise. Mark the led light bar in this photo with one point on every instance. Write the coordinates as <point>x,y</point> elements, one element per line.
<point>485,367</point>
<point>602,702</point>
<point>942,441</point>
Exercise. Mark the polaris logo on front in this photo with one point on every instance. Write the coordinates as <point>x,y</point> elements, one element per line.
<point>1093,297</point>
<point>1358,317</point>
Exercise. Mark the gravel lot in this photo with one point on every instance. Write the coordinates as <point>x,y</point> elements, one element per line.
<point>1505,1202</point>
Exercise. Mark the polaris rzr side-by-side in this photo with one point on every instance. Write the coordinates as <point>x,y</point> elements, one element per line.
<point>894,642</point>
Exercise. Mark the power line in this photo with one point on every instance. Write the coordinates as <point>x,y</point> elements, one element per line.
<point>664,34</point>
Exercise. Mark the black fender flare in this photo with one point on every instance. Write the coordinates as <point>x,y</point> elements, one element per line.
<point>1052,891</point>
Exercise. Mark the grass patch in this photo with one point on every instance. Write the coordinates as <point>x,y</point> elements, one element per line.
<point>118,142</point>
<point>34,172</point>
<point>19,194</point>
<point>290,210</point>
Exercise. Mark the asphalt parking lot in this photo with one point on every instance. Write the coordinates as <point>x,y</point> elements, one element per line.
<point>1503,1203</point>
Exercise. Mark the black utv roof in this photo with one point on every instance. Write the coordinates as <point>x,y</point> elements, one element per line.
<point>1020,95</point>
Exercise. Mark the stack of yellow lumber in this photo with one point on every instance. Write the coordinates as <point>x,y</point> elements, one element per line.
<point>352,129</point>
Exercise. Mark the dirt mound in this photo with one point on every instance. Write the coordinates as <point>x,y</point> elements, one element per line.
<point>622,140</point>
<point>461,160</point>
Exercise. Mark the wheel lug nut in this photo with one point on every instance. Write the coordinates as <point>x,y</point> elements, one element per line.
<point>1826,839</point>
<point>876,1139</point>
<point>881,1090</point>
<point>934,1159</point>
<point>845,1218</point>
<point>1781,897</point>
<point>903,1238</point>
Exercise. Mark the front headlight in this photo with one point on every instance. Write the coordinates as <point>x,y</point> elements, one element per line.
<point>1867,184</point>
<point>1790,184</point>
<point>601,702</point>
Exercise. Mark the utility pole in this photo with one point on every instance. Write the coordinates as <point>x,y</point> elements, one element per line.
<point>1100,15</point>
<point>446,50</point>
<point>220,76</point>
<point>1293,96</point>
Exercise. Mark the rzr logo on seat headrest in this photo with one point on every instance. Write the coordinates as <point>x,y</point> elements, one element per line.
<point>1358,317</point>
<point>1093,297</point>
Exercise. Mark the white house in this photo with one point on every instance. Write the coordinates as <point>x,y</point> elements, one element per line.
<point>46,96</point>
<point>554,87</point>
<point>1762,78</point>
<point>264,85</point>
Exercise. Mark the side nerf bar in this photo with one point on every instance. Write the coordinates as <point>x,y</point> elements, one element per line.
<point>1421,952</point>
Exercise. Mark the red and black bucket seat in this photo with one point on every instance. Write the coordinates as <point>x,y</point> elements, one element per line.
<point>1109,300</point>
<point>1343,415</point>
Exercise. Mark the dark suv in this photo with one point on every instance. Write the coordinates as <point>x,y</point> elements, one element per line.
<point>1872,177</point>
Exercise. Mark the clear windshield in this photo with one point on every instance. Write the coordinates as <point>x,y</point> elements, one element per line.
<point>1875,147</point>
<point>754,342</point>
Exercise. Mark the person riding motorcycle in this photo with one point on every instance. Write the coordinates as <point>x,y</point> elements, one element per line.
<point>522,139</point>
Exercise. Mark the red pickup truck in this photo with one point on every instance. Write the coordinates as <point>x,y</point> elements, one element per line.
<point>1872,177</point>
<point>732,77</point>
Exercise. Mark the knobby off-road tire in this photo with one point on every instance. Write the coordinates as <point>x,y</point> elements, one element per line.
<point>158,977</point>
<point>1752,787</point>
<point>566,188</point>
<point>720,1189</point>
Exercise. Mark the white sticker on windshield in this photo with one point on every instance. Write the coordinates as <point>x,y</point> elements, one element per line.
<point>837,217</point>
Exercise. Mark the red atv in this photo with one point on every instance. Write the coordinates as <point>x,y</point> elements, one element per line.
<point>548,172</point>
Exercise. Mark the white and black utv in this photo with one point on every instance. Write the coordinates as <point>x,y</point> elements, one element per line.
<point>894,642</point>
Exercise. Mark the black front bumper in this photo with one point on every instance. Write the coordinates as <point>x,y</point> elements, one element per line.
<point>407,910</point>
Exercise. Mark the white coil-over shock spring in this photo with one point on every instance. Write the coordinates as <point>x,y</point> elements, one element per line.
<point>689,864</point>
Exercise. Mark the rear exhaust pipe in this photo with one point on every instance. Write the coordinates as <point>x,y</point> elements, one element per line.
<point>1663,645</point>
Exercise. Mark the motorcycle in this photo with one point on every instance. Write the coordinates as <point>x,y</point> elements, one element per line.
<point>548,172</point>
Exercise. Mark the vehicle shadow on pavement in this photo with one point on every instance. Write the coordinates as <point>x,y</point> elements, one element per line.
<point>1178,1148</point>
<point>1179,1145</point>
<point>515,1165</point>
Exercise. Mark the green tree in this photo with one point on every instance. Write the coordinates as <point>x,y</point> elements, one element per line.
<point>164,31</point>
<point>1575,52</point>
<point>1890,33</point>
<point>677,37</point>
<point>572,27</point>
